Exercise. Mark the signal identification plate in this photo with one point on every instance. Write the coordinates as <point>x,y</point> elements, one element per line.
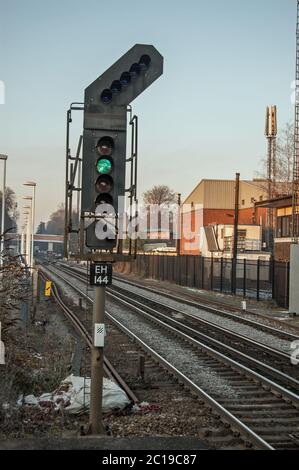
<point>100,274</point>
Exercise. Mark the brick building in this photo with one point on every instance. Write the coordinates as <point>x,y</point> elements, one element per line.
<point>282,207</point>
<point>208,212</point>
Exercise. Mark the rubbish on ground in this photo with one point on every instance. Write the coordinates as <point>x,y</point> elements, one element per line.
<point>145,407</point>
<point>73,395</point>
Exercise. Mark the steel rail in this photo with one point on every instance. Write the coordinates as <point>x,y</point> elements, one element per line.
<point>204,306</point>
<point>226,416</point>
<point>109,370</point>
<point>233,420</point>
<point>221,329</point>
<point>256,363</point>
<point>277,373</point>
<point>290,336</point>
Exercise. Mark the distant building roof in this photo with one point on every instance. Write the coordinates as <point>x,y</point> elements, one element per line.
<point>220,194</point>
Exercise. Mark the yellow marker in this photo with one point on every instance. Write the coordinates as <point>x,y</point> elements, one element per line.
<point>48,287</point>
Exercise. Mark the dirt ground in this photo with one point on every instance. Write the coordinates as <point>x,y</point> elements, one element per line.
<point>37,358</point>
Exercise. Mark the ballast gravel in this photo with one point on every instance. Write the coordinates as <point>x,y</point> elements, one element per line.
<point>246,330</point>
<point>187,361</point>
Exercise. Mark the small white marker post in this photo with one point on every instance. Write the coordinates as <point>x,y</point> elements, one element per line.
<point>243,303</point>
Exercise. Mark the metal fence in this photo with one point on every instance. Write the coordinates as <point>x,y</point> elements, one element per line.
<point>262,280</point>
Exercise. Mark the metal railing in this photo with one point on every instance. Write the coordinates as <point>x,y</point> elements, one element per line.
<point>244,244</point>
<point>259,279</point>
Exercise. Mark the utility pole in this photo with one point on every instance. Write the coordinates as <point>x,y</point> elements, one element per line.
<point>271,136</point>
<point>32,198</point>
<point>178,240</point>
<point>295,185</point>
<point>235,245</point>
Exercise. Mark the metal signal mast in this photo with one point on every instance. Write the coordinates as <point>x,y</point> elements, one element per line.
<point>295,189</point>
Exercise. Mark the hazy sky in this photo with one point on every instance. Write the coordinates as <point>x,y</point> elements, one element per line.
<point>224,62</point>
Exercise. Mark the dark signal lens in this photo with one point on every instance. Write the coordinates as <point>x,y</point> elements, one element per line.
<point>135,70</point>
<point>105,146</point>
<point>125,78</point>
<point>106,96</point>
<point>104,199</point>
<point>115,86</point>
<point>144,61</point>
<point>104,184</point>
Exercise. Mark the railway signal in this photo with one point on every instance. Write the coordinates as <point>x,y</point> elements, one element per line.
<point>105,140</point>
<point>104,184</point>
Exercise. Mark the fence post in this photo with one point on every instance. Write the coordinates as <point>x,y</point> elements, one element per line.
<point>273,277</point>
<point>212,272</point>
<point>221,274</point>
<point>202,271</point>
<point>288,284</point>
<point>258,280</point>
<point>244,279</point>
<point>179,259</point>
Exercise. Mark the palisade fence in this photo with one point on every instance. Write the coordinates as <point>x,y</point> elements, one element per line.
<point>262,280</point>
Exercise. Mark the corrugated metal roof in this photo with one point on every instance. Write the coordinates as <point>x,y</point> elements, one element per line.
<point>220,194</point>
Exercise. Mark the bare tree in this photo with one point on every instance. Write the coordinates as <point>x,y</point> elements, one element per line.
<point>12,289</point>
<point>284,163</point>
<point>11,214</point>
<point>159,195</point>
<point>55,226</point>
<point>285,152</point>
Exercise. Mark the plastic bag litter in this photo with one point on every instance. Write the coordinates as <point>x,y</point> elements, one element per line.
<point>73,395</point>
<point>30,400</point>
<point>79,389</point>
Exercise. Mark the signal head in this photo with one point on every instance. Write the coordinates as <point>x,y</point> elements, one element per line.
<point>106,96</point>
<point>144,61</point>
<point>105,146</point>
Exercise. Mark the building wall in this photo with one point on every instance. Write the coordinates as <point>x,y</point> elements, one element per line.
<point>219,194</point>
<point>192,243</point>
<point>282,249</point>
<point>218,216</point>
<point>191,224</point>
<point>212,202</point>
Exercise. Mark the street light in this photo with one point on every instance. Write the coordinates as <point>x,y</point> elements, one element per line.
<point>22,239</point>
<point>33,185</point>
<point>178,235</point>
<point>28,251</point>
<point>4,158</point>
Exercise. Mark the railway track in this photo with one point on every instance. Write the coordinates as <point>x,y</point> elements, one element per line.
<point>275,363</point>
<point>263,412</point>
<point>224,310</point>
<point>109,371</point>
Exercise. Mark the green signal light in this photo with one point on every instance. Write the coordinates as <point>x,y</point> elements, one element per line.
<point>104,166</point>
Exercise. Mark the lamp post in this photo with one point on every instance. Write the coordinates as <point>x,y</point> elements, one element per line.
<point>22,240</point>
<point>28,244</point>
<point>4,158</point>
<point>33,185</point>
<point>178,240</point>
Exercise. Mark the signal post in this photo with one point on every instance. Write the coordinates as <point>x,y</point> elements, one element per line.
<point>104,165</point>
